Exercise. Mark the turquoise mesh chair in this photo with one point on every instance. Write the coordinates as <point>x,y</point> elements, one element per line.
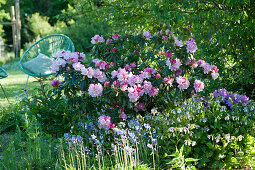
<point>48,46</point>
<point>3,74</point>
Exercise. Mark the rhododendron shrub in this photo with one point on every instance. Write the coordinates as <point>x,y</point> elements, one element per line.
<point>135,72</point>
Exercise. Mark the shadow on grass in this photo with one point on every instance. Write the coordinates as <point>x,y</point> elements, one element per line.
<point>14,85</point>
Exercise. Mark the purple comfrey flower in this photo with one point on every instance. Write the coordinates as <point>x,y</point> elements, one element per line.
<point>230,99</point>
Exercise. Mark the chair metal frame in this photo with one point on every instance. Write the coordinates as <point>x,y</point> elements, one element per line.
<point>4,75</point>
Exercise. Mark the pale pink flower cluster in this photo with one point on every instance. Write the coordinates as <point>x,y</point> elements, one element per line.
<point>209,68</point>
<point>97,39</point>
<point>105,122</point>
<point>191,46</point>
<point>178,43</point>
<point>147,35</point>
<point>169,81</point>
<point>183,82</point>
<point>95,90</point>
<point>199,86</point>
<point>101,64</point>
<point>135,85</point>
<point>66,57</point>
<point>173,64</point>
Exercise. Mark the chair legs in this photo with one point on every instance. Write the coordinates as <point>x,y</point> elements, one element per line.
<point>25,89</point>
<point>4,92</point>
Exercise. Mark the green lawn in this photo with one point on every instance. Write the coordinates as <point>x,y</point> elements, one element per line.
<point>15,82</point>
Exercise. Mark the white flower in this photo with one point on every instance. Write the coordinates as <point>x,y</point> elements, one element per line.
<point>93,137</point>
<point>147,35</point>
<point>147,126</point>
<point>150,146</point>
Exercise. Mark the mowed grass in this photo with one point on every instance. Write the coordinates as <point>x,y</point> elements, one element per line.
<point>14,84</point>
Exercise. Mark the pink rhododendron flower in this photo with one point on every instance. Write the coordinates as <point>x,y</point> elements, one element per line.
<point>147,35</point>
<point>147,87</point>
<point>84,71</point>
<point>178,72</point>
<point>188,61</point>
<point>165,38</point>
<point>173,64</point>
<point>101,64</point>
<point>78,66</point>
<point>158,33</point>
<point>73,60</point>
<point>127,67</point>
<point>121,109</point>
<point>55,83</point>
<point>201,62</point>
<point>99,75</point>
<point>191,46</point>
<point>214,68</point>
<point>194,65</point>
<point>95,90</point>
<point>122,75</point>
<point>123,116</point>
<point>169,80</point>
<point>153,91</point>
<point>97,38</point>
<point>116,83</point>
<point>108,41</point>
<point>133,94</point>
<point>90,72</point>
<point>104,122</point>
<point>117,37</point>
<point>123,87</point>
<point>150,70</point>
<point>54,67</point>
<point>215,75</point>
<point>168,54</point>
<point>81,56</point>
<point>136,51</point>
<point>183,82</point>
<point>199,86</point>
<point>132,65</point>
<point>114,50</point>
<point>114,74</point>
<point>206,67</point>
<point>106,83</point>
<point>178,43</point>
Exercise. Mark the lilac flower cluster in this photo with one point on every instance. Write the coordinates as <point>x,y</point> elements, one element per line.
<point>229,99</point>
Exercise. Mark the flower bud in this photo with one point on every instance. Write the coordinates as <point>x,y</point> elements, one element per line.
<point>68,68</point>
<point>114,50</point>
<point>157,75</point>
<point>106,83</point>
